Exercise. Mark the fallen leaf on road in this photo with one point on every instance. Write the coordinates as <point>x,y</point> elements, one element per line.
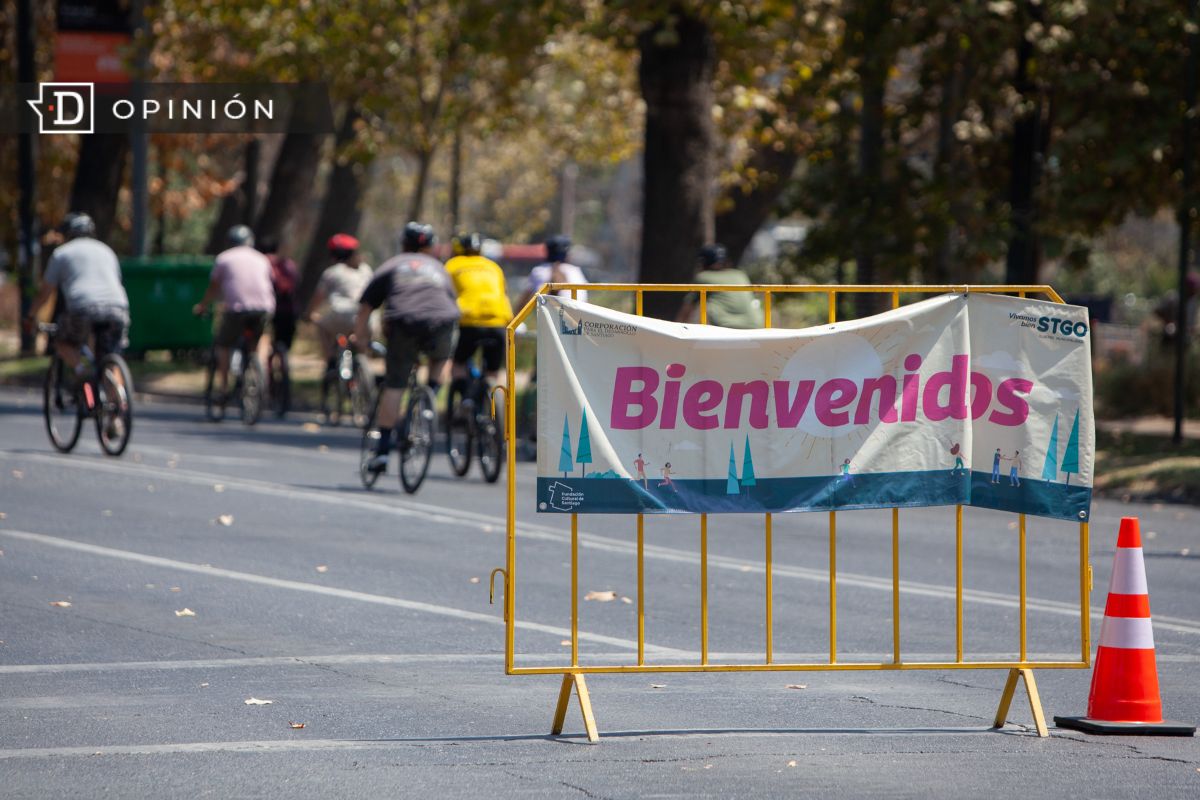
<point>626,600</point>
<point>254,701</point>
<point>60,603</point>
<point>601,597</point>
<point>176,589</point>
<point>204,686</point>
<point>565,642</point>
<point>187,612</point>
<point>3,515</point>
<point>658,686</point>
<point>797,686</point>
<point>137,458</point>
<point>218,487</point>
<point>295,725</point>
<point>150,488</point>
<point>322,568</point>
<point>322,448</point>
<point>150,586</point>
<point>791,763</point>
<point>311,427</point>
<point>744,568</point>
<point>708,766</point>
<point>474,580</point>
<point>225,519</point>
<point>18,474</point>
<point>106,512</point>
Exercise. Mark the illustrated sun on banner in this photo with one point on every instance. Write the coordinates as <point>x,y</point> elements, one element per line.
<point>973,399</point>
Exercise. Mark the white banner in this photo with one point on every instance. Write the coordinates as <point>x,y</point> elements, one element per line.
<point>983,400</point>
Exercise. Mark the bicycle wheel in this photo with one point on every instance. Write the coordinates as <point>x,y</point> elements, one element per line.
<point>416,445</point>
<point>214,408</point>
<point>114,405</point>
<point>458,432</point>
<point>490,441</point>
<point>60,406</point>
<point>361,390</point>
<point>279,383</point>
<point>251,385</point>
<point>370,442</point>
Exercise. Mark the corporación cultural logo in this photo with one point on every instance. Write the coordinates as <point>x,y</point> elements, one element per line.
<point>65,107</point>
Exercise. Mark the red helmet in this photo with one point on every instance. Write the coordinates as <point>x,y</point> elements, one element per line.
<point>342,243</point>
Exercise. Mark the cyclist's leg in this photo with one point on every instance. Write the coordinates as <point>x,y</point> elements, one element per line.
<point>262,345</point>
<point>464,349</point>
<point>401,360</point>
<point>74,330</point>
<point>492,343</point>
<point>438,346</point>
<point>228,335</point>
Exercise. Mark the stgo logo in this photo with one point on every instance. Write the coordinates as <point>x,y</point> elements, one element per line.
<point>1063,327</point>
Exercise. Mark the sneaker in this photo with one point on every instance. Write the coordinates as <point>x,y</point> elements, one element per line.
<point>378,463</point>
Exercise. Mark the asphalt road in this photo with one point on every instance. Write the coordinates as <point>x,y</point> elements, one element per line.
<point>365,616</point>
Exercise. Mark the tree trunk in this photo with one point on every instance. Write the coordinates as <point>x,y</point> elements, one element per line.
<point>675,73</point>
<point>341,210</point>
<point>748,210</point>
<point>875,60</point>
<point>1021,264</point>
<point>292,180</point>
<point>231,213</point>
<point>456,156</point>
<point>424,163</point>
<point>98,177</point>
<point>942,267</point>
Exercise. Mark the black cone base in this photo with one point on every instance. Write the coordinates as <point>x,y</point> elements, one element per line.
<point>1099,726</point>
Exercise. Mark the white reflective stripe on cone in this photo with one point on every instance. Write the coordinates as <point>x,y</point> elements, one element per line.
<point>1129,572</point>
<point>1127,633</point>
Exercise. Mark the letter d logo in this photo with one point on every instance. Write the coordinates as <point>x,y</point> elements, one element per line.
<point>65,107</point>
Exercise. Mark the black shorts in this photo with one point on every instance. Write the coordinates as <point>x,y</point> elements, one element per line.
<point>235,324</point>
<point>407,341</point>
<point>107,327</point>
<point>284,326</point>
<point>489,340</point>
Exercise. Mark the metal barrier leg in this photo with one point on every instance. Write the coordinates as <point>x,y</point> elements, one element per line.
<point>585,705</point>
<point>1035,700</point>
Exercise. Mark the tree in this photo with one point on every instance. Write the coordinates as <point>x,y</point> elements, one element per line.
<point>565,465</point>
<point>583,456</point>
<point>1050,468</point>
<point>748,478</point>
<point>731,483</point>
<point>1070,460</point>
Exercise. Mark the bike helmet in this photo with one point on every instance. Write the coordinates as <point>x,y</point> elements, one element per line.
<point>467,244</point>
<point>557,247</point>
<point>342,244</point>
<point>77,224</point>
<point>267,245</point>
<point>712,255</point>
<point>240,236</point>
<point>418,236</point>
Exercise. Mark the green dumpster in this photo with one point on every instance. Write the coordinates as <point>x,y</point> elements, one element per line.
<point>162,291</point>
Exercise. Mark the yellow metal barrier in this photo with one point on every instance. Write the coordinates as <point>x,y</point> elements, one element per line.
<point>573,673</point>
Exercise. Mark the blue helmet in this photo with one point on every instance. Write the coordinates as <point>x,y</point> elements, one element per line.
<point>557,247</point>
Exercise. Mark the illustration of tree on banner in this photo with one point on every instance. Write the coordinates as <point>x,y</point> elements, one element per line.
<point>748,466</point>
<point>583,456</point>
<point>1070,462</point>
<point>564,456</point>
<point>731,485</point>
<point>1050,469</point>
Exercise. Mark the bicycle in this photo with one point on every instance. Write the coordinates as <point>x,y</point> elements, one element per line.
<point>415,439</point>
<point>347,384</point>
<point>472,428</point>
<point>106,396</point>
<point>245,376</point>
<point>279,381</point>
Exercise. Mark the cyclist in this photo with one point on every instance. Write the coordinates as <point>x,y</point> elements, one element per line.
<point>241,277</point>
<point>284,277</point>
<point>335,301</point>
<point>420,316</point>
<point>556,269</point>
<point>92,301</point>
<point>725,309</point>
<point>486,310</point>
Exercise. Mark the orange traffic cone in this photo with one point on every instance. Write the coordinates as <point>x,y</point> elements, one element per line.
<point>1124,697</point>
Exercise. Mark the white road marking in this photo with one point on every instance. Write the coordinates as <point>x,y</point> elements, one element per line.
<point>538,532</point>
<point>327,591</point>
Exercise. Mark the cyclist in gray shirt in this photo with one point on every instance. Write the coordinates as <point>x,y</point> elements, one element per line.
<point>92,301</point>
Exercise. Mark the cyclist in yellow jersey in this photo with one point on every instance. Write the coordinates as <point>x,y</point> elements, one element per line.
<point>485,307</point>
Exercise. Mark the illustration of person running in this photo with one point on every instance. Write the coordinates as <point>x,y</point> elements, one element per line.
<point>666,474</point>
<point>639,464</point>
